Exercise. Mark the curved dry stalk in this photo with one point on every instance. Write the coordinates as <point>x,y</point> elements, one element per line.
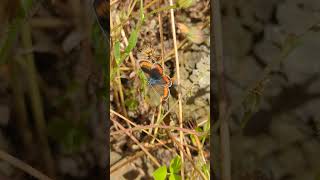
<point>36,102</point>
<point>138,127</point>
<point>23,166</point>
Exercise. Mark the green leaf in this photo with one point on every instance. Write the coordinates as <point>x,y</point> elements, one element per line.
<point>193,140</point>
<point>132,104</point>
<point>198,129</point>
<point>27,5</point>
<point>206,169</point>
<point>160,173</point>
<point>206,130</point>
<point>174,177</point>
<point>69,136</point>
<point>141,11</point>
<point>132,41</point>
<point>206,127</point>
<point>117,55</point>
<point>175,164</point>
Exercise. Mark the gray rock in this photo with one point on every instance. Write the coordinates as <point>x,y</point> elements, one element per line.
<point>295,20</point>
<point>285,130</point>
<point>237,41</point>
<point>303,62</point>
<point>267,52</point>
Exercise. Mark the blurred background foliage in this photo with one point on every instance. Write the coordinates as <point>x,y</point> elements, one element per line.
<point>53,77</point>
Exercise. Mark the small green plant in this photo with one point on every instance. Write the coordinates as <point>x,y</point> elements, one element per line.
<point>70,136</point>
<point>175,165</point>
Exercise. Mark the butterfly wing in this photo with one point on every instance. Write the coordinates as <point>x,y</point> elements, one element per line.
<point>146,67</point>
<point>162,91</point>
<point>166,80</point>
<point>158,76</point>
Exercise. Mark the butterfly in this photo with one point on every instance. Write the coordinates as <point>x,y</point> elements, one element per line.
<point>101,8</point>
<point>156,78</point>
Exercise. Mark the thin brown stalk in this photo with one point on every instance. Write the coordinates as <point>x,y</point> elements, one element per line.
<point>36,102</point>
<point>23,166</point>
<point>152,122</point>
<point>187,131</point>
<point>157,123</point>
<point>180,117</point>
<point>150,4</point>
<point>21,109</point>
<point>161,34</point>
<point>131,6</point>
<point>224,127</point>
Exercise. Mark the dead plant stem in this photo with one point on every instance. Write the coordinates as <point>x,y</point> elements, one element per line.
<point>222,106</point>
<point>23,166</point>
<point>36,103</point>
<point>178,83</point>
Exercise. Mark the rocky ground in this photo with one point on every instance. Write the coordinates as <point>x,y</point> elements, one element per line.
<point>280,139</point>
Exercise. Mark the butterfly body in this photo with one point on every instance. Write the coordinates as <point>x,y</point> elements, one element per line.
<point>153,81</point>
